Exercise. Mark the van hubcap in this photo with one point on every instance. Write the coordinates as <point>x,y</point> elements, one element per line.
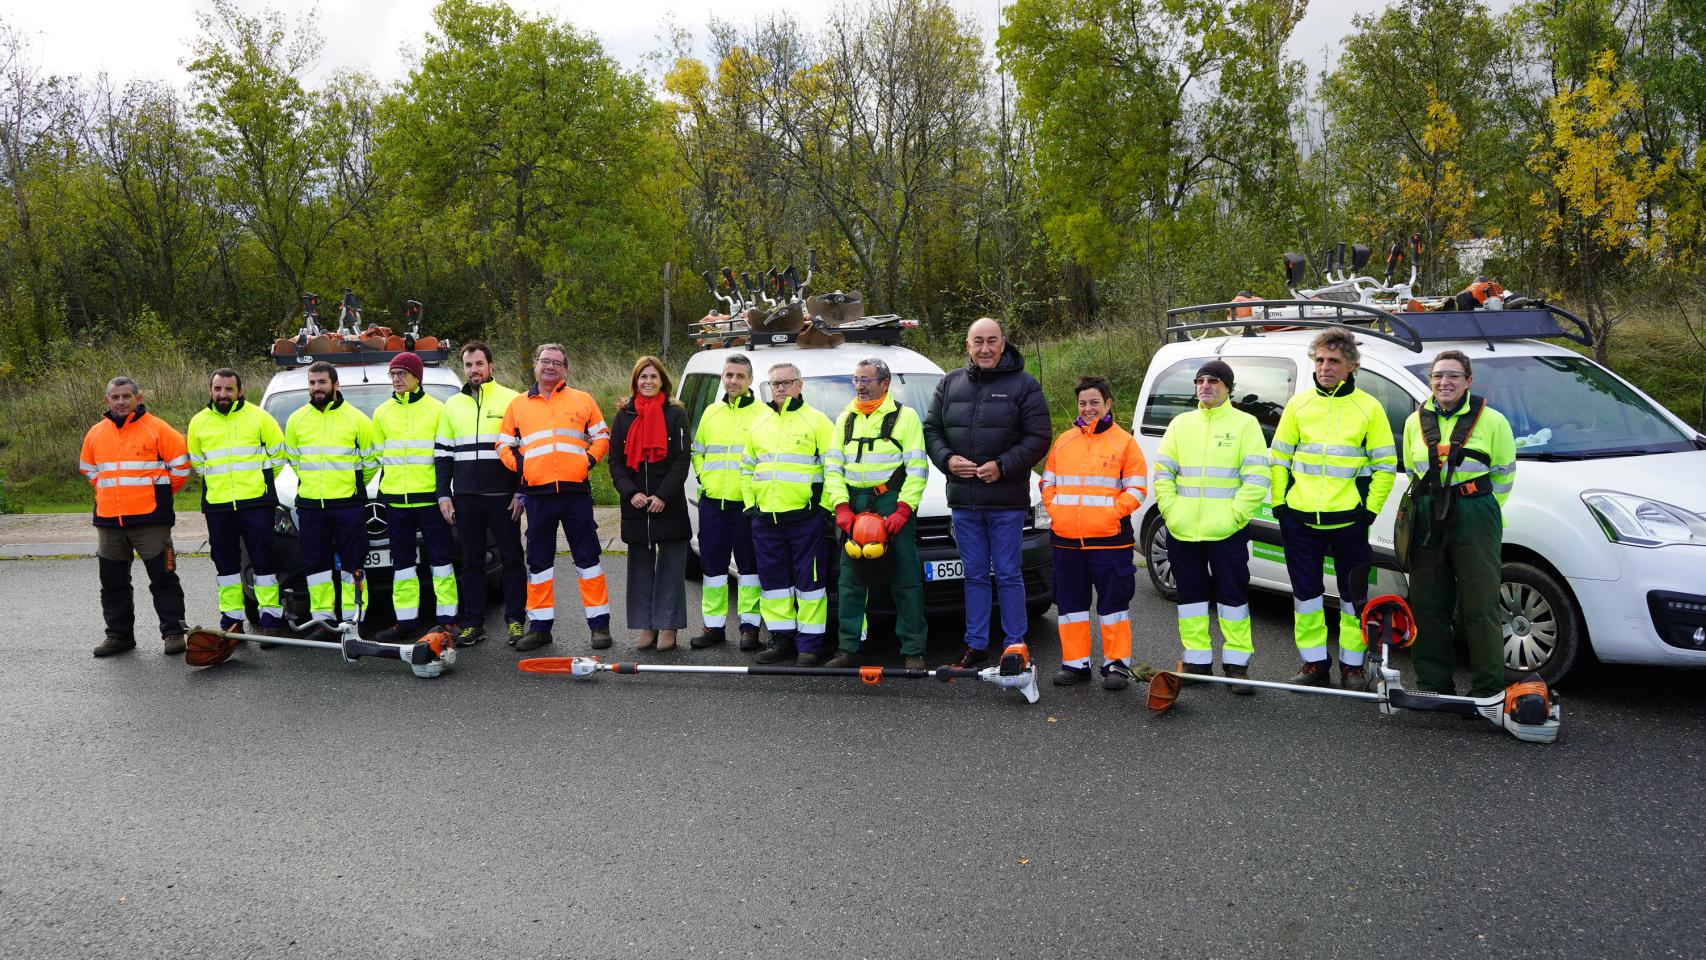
<point>1530,626</point>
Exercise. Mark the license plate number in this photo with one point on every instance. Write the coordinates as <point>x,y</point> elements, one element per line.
<point>377,558</point>
<point>944,570</point>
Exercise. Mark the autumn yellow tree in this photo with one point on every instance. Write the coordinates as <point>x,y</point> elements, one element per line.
<point>1434,193</point>
<point>1593,161</point>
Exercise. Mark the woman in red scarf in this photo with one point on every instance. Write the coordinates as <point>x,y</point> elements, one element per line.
<point>648,463</point>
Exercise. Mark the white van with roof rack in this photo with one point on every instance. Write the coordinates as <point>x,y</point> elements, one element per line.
<point>1605,532</point>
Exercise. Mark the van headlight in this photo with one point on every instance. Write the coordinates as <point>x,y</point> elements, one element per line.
<point>1640,522</point>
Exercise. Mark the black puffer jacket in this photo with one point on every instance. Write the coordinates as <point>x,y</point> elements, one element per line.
<point>984,415</point>
<point>666,479</point>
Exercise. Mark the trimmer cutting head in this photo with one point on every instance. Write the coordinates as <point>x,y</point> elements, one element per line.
<point>207,648</point>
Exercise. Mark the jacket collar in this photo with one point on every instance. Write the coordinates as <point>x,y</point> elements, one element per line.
<point>407,398</point>
<point>746,399</point>
<point>134,416</point>
<point>1100,426</point>
<point>789,405</point>
<point>1462,405</point>
<point>561,386</point>
<point>237,405</point>
<point>482,389</point>
<point>1010,360</point>
<point>1342,390</point>
<point>882,408</point>
<point>336,402</point>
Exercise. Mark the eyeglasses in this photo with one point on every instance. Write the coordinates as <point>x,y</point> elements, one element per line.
<point>1446,375</point>
<point>865,381</point>
<point>543,362</point>
<point>398,373</point>
<point>779,384</point>
<point>1202,380</point>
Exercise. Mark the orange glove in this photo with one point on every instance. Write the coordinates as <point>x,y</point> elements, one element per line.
<point>894,521</point>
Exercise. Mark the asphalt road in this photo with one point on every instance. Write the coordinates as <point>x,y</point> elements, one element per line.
<point>291,805</point>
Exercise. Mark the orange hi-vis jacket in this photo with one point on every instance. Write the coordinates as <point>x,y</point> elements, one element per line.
<point>1093,481</point>
<point>135,466</point>
<point>553,441</point>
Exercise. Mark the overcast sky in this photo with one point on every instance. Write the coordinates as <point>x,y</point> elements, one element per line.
<point>150,39</point>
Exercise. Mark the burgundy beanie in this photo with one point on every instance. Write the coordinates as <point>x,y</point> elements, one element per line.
<point>409,362</point>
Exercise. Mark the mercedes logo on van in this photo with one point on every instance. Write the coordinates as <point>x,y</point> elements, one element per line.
<point>375,520</point>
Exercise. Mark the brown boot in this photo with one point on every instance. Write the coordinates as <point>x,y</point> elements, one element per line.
<point>112,645</point>
<point>174,645</point>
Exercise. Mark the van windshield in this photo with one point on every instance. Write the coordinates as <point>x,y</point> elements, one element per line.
<point>831,395</point>
<point>365,396</point>
<point>1570,408</point>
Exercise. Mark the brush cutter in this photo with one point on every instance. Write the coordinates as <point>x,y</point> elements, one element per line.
<point>1016,672</point>
<point>427,657</point>
<point>1527,710</point>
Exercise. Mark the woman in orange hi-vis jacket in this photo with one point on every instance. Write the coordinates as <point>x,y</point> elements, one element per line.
<point>552,436</point>
<point>1093,481</point>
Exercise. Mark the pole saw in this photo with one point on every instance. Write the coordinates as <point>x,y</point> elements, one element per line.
<point>428,657</point>
<point>1527,709</point>
<point>1015,672</point>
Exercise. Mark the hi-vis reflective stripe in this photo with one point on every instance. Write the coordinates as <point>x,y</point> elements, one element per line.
<point>1118,616</point>
<point>1166,464</point>
<point>232,452</point>
<point>719,448</point>
<point>1086,500</point>
<point>425,461</point>
<point>1109,483</point>
<point>131,465</point>
<point>1325,470</point>
<point>1240,612</point>
<point>471,455</point>
<point>543,576</point>
<point>1338,450</point>
<point>1080,617</point>
<point>234,467</point>
<point>806,458</point>
<point>552,431</point>
<point>719,465</point>
<point>1312,605</point>
<point>592,572</point>
<point>1188,611</point>
<point>327,452</point>
<point>131,481</point>
<point>1210,493</point>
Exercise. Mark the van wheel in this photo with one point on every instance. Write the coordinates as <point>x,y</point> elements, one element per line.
<point>1155,542</point>
<point>1541,626</point>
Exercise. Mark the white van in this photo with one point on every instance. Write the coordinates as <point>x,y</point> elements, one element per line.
<point>827,375</point>
<point>1605,532</point>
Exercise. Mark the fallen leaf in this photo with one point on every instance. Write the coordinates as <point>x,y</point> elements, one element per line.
<point>1023,862</point>
<point>1052,720</point>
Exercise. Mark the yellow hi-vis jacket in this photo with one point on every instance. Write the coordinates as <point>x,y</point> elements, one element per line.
<point>405,429</point>
<point>782,468</point>
<point>236,454</point>
<point>469,430</point>
<point>1325,442</point>
<point>719,444</point>
<point>867,461</point>
<point>331,451</point>
<point>1211,473</point>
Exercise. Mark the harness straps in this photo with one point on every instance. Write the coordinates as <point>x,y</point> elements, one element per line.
<point>1433,482</point>
<point>885,431</point>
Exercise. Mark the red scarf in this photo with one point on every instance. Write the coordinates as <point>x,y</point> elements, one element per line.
<point>646,441</point>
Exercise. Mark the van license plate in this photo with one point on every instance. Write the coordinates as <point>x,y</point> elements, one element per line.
<point>945,570</point>
<point>377,558</point>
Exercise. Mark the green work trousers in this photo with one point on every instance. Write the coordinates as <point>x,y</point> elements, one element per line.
<point>906,587</point>
<point>1456,571</point>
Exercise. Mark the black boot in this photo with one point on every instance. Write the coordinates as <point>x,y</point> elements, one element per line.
<point>403,631</point>
<point>776,653</point>
<point>1071,676</point>
<point>1314,673</point>
<point>749,639</point>
<point>1238,671</point>
<point>712,637</point>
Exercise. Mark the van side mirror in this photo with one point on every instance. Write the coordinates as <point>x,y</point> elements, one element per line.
<point>1295,266</point>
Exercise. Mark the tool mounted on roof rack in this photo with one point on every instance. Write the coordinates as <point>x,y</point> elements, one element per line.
<point>350,344</point>
<point>782,311</point>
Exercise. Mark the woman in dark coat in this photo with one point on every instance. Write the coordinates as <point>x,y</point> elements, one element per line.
<point>648,460</point>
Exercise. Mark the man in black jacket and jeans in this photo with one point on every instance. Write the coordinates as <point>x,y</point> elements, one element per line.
<point>988,426</point>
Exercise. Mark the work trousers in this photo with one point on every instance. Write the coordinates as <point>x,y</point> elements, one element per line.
<point>905,587</point>
<point>228,533</point>
<point>992,541</point>
<point>794,601</point>
<point>334,546</point>
<point>477,516</point>
<point>1113,574</point>
<point>657,585</point>
<point>406,576</point>
<point>1457,571</point>
<point>152,542</point>
<point>1218,571</point>
<point>572,513</point>
<point>724,531</point>
<point>1306,549</point>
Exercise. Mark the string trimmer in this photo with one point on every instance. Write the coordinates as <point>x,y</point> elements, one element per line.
<point>1015,672</point>
<point>427,657</point>
<point>1527,709</point>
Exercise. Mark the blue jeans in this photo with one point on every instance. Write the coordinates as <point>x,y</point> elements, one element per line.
<point>992,539</point>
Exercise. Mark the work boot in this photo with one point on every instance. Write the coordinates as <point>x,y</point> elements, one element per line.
<point>841,660</point>
<point>600,638</point>
<point>403,631</point>
<point>533,640</point>
<point>514,631</point>
<point>112,645</point>
<point>710,638</point>
<point>1315,673</point>
<point>774,654</point>
<point>915,662</point>
<point>470,636</point>
<point>1352,678</point>
<point>808,660</point>
<point>749,639</point>
<point>1071,676</point>
<point>1116,675</point>
<point>273,631</point>
<point>174,646</point>
<point>971,658</point>
<point>1238,671</point>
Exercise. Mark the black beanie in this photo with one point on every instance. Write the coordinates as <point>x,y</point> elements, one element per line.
<point>1219,369</point>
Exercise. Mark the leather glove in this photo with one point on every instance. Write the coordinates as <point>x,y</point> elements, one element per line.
<point>894,521</point>
<point>844,518</point>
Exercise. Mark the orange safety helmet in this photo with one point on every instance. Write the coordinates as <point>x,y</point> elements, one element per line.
<point>868,539</point>
<point>1397,613</point>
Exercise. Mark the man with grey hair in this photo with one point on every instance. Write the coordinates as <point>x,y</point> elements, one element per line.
<point>1333,463</point>
<point>877,465</point>
<point>135,462</point>
<point>987,427</point>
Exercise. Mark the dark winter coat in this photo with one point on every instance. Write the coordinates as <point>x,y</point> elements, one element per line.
<point>982,415</point>
<point>666,479</point>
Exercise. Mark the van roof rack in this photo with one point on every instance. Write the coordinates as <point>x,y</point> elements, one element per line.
<point>1529,319</point>
<point>358,357</point>
<point>882,328</point>
<point>351,345</point>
